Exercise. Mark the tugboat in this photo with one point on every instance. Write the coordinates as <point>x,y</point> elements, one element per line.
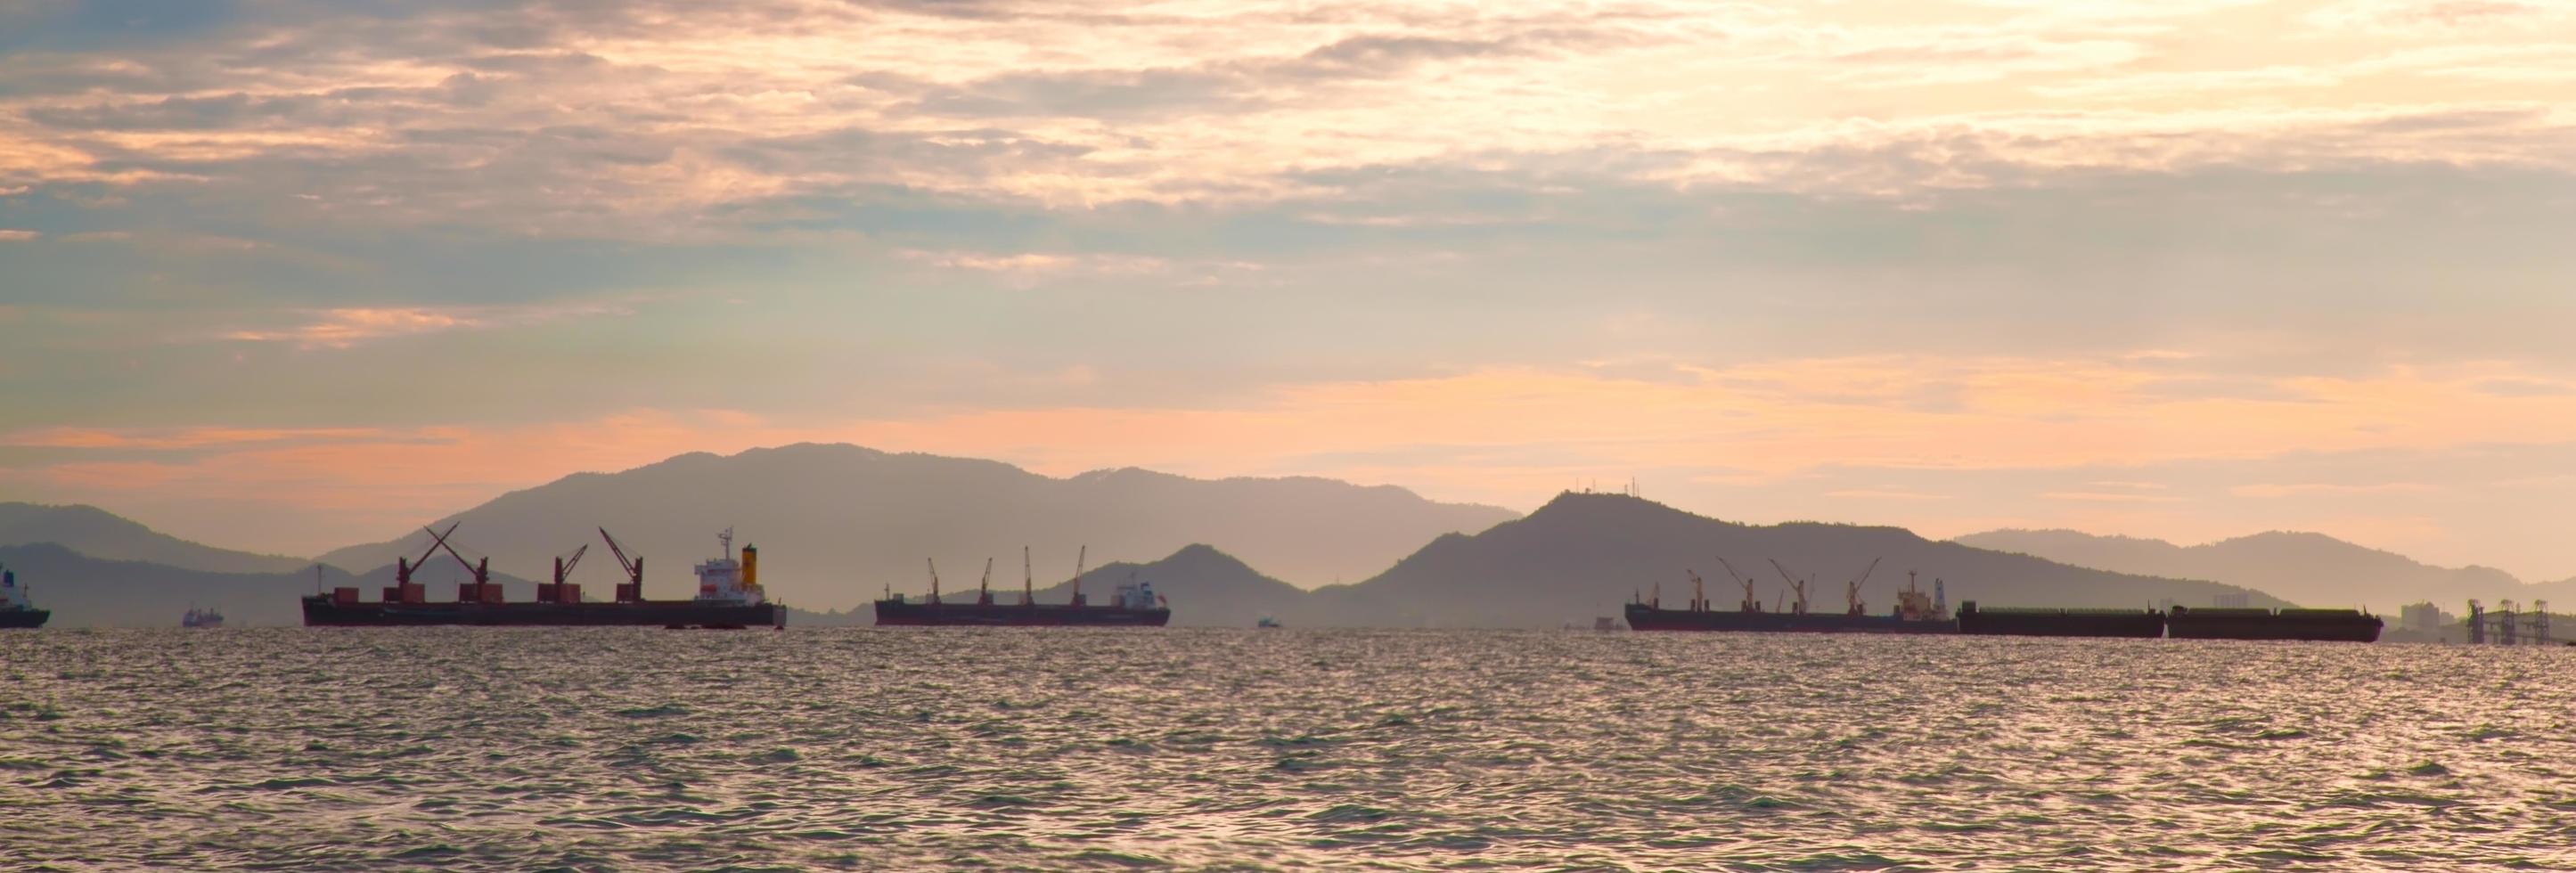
<point>202,618</point>
<point>15,611</point>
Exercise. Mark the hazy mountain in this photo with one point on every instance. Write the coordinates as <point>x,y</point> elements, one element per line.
<point>2307,568</point>
<point>837,523</point>
<point>1583,554</point>
<point>100,534</point>
<point>93,592</point>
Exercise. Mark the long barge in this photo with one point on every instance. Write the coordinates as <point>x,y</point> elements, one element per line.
<point>1133,605</point>
<point>2322,625</point>
<point>729,596</point>
<point>2037,622</point>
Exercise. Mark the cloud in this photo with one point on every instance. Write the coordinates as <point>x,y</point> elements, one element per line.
<point>16,235</point>
<point>342,328</point>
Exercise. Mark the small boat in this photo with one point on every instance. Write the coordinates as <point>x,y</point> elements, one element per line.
<point>1266,622</point>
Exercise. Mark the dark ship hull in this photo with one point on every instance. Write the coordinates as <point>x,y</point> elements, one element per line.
<point>24,617</point>
<point>321,611</point>
<point>2142,624</point>
<point>2320,625</point>
<point>925,614</point>
<point>1646,617</point>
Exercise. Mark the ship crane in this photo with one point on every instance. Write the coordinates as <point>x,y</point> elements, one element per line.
<point>558,592</point>
<point>403,571</point>
<point>1795,584</point>
<point>563,566</point>
<point>1079,559</point>
<point>1751,603</point>
<point>984,589</point>
<point>482,569</point>
<point>934,580</point>
<point>1851,590</point>
<point>1028,579</point>
<point>1699,595</point>
<point>633,590</point>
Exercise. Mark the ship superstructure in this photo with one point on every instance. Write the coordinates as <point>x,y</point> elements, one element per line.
<point>15,609</point>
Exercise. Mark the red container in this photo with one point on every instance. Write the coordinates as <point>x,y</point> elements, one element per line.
<point>492,594</point>
<point>570,593</point>
<point>548,592</point>
<point>344,596</point>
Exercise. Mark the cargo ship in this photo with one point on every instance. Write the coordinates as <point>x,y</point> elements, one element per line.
<point>729,596</point>
<point>206,619</point>
<point>1915,612</point>
<point>15,610</point>
<point>1134,604</point>
<point>2038,622</point>
<point>2323,625</point>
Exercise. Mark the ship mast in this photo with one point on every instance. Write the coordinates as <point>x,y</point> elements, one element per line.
<point>1699,596</point>
<point>934,580</point>
<point>1028,580</point>
<point>984,589</point>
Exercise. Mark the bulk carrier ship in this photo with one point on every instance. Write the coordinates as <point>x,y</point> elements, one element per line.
<point>15,610</point>
<point>1915,613</point>
<point>729,596</point>
<point>1134,605</point>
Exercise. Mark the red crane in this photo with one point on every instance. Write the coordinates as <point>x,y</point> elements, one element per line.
<point>472,591</point>
<point>403,570</point>
<point>633,590</point>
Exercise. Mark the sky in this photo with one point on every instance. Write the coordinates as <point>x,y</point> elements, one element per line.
<point>286,275</point>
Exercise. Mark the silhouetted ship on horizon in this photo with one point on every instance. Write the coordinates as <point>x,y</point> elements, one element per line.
<point>729,596</point>
<point>15,609</point>
<point>2053,622</point>
<point>203,619</point>
<point>2324,625</point>
<point>1915,612</point>
<point>1133,605</point>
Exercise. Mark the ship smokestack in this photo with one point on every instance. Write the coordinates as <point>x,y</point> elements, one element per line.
<point>750,566</point>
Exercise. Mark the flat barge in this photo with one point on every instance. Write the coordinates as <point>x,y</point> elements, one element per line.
<point>2321,625</point>
<point>729,596</point>
<point>2145,624</point>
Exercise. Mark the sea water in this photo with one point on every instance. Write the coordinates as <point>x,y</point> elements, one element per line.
<point>938,748</point>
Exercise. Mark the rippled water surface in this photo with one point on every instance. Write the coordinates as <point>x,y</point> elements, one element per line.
<point>955,748</point>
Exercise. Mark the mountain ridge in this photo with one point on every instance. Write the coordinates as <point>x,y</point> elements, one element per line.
<point>98,533</point>
<point>2306,567</point>
<point>838,522</point>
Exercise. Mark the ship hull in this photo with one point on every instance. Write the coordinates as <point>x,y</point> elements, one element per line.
<point>2140,624</point>
<point>322,612</point>
<point>910,614</point>
<point>24,617</point>
<point>1648,618</point>
<point>2189,625</point>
